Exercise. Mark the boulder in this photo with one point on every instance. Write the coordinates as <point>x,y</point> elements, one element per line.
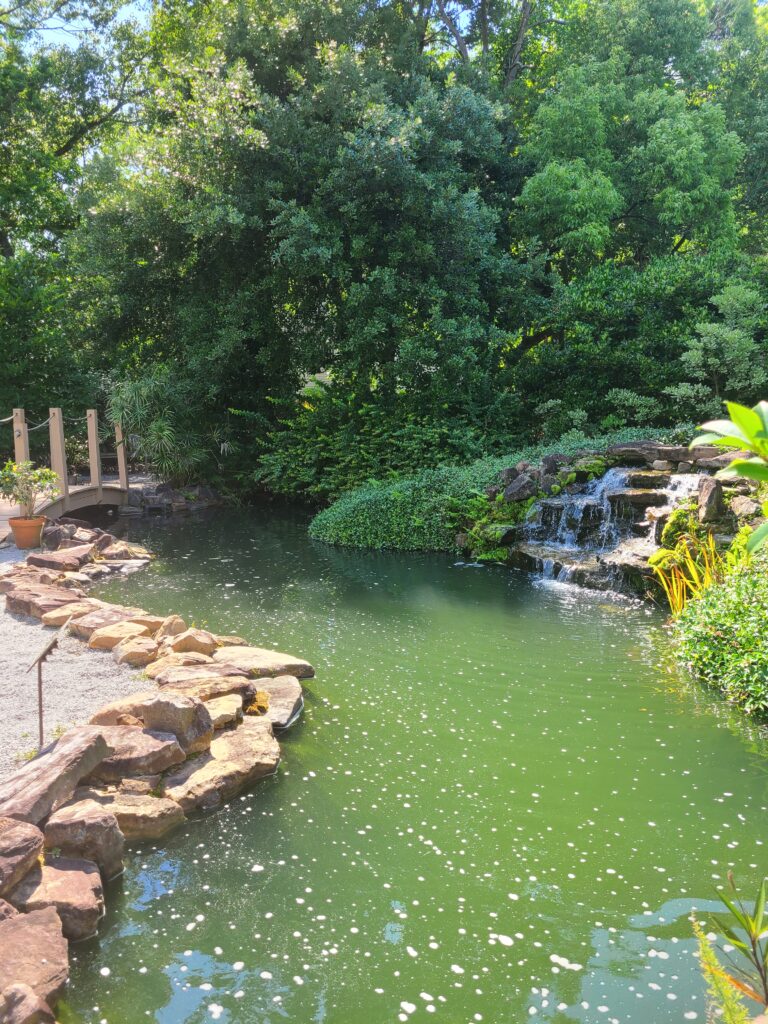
<point>136,751</point>
<point>152,622</point>
<point>117,550</point>
<point>138,651</point>
<point>63,560</point>
<point>522,488</point>
<point>35,953</point>
<point>75,579</point>
<point>87,624</point>
<point>20,1005</point>
<point>171,626</point>
<point>506,476</point>
<point>236,759</point>
<point>662,466</point>
<point>230,641</point>
<point>59,616</point>
<point>86,829</point>
<point>103,540</point>
<point>139,815</point>
<point>24,574</point>
<point>552,464</point>
<point>72,886</point>
<point>169,675</point>
<point>39,599</point>
<point>225,710</point>
<point>48,780</point>
<point>107,637</point>
<point>21,846</point>
<point>744,507</point>
<point>186,717</point>
<point>108,714</point>
<point>6,910</point>
<point>258,661</point>
<point>711,503</point>
<point>199,641</point>
<point>209,687</point>
<point>176,661</point>
<point>285,699</point>
<point>634,453</point>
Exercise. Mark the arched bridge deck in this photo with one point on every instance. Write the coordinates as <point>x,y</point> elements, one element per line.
<point>71,496</point>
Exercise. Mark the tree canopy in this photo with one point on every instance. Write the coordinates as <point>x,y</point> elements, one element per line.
<point>356,238</point>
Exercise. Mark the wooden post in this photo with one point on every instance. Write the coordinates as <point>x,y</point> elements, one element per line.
<point>94,455</point>
<point>122,457</point>
<point>20,436</point>
<point>58,455</point>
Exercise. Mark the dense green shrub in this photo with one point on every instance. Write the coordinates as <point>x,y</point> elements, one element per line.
<point>723,637</point>
<point>418,513</point>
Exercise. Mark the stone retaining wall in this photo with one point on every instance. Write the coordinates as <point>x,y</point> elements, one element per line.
<point>201,732</point>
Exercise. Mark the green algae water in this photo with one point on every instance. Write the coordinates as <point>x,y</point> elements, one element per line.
<point>501,804</point>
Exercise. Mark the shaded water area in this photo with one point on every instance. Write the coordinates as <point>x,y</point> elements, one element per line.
<point>501,804</point>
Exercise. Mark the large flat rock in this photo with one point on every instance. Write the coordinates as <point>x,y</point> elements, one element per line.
<point>136,751</point>
<point>38,599</point>
<point>110,714</point>
<point>236,759</point>
<point>34,953</point>
<point>258,661</point>
<point>63,560</point>
<point>59,616</point>
<point>87,830</point>
<point>107,637</point>
<point>21,845</point>
<point>85,625</point>
<point>209,687</point>
<point>72,886</point>
<point>139,815</point>
<point>43,784</point>
<point>285,699</point>
<point>197,641</point>
<point>176,661</point>
<point>27,575</point>
<point>171,674</point>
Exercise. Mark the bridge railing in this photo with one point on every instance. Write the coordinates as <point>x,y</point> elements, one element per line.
<point>58,455</point>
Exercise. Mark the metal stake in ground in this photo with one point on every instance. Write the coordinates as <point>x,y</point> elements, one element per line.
<point>49,648</point>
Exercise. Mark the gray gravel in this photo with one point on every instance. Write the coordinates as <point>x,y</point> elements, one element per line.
<point>76,681</point>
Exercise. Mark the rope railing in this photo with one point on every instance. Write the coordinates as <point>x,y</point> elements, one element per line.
<point>8,419</point>
<point>39,425</point>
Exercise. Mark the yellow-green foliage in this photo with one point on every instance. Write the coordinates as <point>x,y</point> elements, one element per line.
<point>722,999</point>
<point>691,567</point>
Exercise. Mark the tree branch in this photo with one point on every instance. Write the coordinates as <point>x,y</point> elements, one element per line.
<point>515,65</point>
<point>453,28</point>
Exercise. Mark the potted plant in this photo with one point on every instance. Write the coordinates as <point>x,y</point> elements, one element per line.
<point>24,485</point>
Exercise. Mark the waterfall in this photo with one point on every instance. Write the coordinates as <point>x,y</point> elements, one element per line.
<point>586,518</point>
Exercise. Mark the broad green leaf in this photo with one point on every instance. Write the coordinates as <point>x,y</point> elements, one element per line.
<point>756,540</point>
<point>746,420</point>
<point>753,469</point>
<point>704,439</point>
<point>762,411</point>
<point>724,427</point>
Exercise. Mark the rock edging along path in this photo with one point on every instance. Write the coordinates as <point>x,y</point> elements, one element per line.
<point>201,732</point>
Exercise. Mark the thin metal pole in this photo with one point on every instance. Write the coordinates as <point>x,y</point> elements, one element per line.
<point>40,701</point>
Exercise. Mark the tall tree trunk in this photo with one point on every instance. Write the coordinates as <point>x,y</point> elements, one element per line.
<point>515,65</point>
<point>453,28</point>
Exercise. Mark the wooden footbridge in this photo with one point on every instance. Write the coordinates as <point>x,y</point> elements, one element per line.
<point>71,496</point>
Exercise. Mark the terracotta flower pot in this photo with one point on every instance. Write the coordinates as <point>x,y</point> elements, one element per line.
<point>26,530</point>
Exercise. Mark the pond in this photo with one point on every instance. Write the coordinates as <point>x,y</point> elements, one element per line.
<point>501,804</point>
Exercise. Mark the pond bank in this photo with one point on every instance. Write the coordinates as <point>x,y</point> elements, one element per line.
<point>199,733</point>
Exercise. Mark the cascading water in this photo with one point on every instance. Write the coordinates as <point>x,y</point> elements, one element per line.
<point>597,531</point>
<point>584,519</point>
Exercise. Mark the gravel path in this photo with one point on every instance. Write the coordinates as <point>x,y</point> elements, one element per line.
<point>76,681</point>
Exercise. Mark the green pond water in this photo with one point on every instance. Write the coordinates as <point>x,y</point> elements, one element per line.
<point>501,804</point>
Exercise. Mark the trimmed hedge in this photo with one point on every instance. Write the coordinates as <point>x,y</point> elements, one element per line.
<point>723,637</point>
<point>412,514</point>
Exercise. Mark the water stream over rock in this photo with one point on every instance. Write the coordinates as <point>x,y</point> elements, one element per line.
<point>599,532</point>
